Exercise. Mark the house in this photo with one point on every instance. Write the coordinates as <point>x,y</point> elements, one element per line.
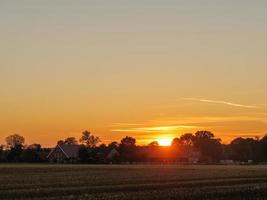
<point>109,156</point>
<point>64,153</point>
<point>112,155</point>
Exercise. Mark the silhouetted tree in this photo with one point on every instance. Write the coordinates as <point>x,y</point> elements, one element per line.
<point>113,145</point>
<point>2,153</point>
<point>187,139</point>
<point>84,154</point>
<point>247,149</point>
<point>183,146</point>
<point>263,142</point>
<point>15,140</point>
<point>60,142</point>
<point>71,141</point>
<point>176,142</point>
<point>204,135</point>
<point>14,153</point>
<point>102,148</point>
<point>257,149</point>
<point>127,149</point>
<point>128,141</point>
<point>209,146</point>
<point>88,155</point>
<point>241,150</point>
<point>15,144</point>
<point>154,144</point>
<point>36,147</point>
<point>89,140</point>
<point>32,153</point>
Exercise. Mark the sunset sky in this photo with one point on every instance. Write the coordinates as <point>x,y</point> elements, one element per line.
<point>145,68</point>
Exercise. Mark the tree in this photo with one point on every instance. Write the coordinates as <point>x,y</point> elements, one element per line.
<point>101,149</point>
<point>187,139</point>
<point>204,135</point>
<point>263,142</point>
<point>89,140</point>
<point>15,144</point>
<point>128,141</point>
<point>32,153</point>
<point>183,146</point>
<point>113,145</point>
<point>257,149</point>
<point>241,151</point>
<point>176,142</point>
<point>15,140</point>
<point>209,146</point>
<point>1,153</point>
<point>84,154</point>
<point>36,147</point>
<point>247,149</point>
<point>128,148</point>
<point>70,141</point>
<point>14,154</point>
<point>60,142</point>
<point>154,144</point>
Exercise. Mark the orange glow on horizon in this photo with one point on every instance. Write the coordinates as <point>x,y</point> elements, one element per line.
<point>165,141</point>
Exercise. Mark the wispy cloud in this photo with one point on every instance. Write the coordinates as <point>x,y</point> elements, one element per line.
<point>154,129</point>
<point>125,124</point>
<point>220,102</point>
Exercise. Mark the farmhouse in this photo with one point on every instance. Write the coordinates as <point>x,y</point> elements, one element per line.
<point>109,156</point>
<point>64,153</point>
<point>112,155</point>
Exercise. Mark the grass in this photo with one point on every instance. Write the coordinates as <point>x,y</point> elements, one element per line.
<point>132,182</point>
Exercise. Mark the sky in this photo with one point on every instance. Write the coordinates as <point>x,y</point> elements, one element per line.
<point>147,69</point>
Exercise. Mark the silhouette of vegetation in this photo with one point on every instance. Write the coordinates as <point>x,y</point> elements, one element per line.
<point>201,147</point>
<point>154,144</point>
<point>70,141</point>
<point>89,140</point>
<point>14,140</point>
<point>127,149</point>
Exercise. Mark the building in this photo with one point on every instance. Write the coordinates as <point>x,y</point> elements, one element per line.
<point>113,155</point>
<point>109,156</point>
<point>64,153</point>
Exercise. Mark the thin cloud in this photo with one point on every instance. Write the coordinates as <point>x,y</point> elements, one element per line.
<point>154,129</point>
<point>221,102</point>
<point>125,124</point>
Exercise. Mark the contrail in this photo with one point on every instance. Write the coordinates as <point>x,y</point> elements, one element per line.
<point>221,102</point>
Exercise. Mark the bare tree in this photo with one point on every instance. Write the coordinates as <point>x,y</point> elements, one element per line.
<point>89,140</point>
<point>15,140</point>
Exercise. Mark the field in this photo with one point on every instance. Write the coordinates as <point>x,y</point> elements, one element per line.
<point>132,182</point>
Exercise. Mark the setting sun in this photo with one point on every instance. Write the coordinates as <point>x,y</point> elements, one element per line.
<point>165,142</point>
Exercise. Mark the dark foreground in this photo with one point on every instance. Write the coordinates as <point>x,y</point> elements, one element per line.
<point>132,182</point>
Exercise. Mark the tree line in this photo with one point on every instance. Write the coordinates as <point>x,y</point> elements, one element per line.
<point>209,147</point>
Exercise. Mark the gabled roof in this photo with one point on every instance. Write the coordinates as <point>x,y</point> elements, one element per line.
<point>70,150</point>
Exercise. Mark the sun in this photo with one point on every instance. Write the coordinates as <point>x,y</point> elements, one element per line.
<point>165,142</point>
